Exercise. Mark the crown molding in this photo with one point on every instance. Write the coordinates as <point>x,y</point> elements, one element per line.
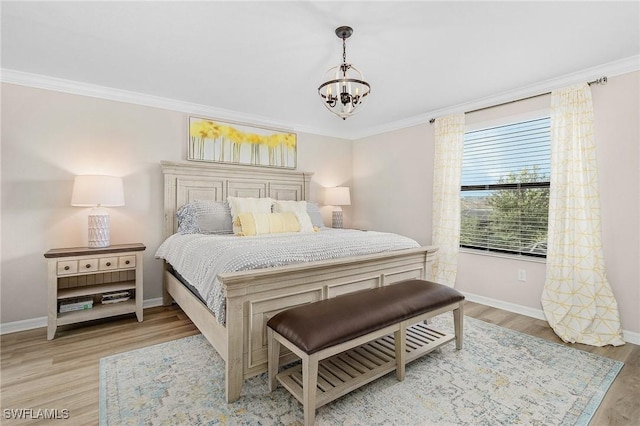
<point>92,90</point>
<point>610,69</point>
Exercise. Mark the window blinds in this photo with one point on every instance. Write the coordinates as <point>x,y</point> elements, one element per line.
<point>505,188</point>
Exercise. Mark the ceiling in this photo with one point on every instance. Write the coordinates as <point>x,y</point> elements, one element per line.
<point>264,60</point>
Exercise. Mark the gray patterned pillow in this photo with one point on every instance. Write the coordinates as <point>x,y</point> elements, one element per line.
<point>187,219</point>
<point>205,217</point>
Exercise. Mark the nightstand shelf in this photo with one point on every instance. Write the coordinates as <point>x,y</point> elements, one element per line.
<point>89,273</point>
<point>98,311</point>
<point>95,289</point>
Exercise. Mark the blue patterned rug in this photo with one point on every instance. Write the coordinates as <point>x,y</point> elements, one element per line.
<point>500,377</point>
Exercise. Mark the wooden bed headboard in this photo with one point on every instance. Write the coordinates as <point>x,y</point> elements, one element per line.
<point>186,181</point>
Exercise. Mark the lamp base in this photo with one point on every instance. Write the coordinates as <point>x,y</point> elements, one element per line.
<point>98,228</point>
<point>336,219</point>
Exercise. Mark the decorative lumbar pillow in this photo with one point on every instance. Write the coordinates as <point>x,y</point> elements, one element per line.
<point>205,217</point>
<point>299,208</point>
<point>240,205</point>
<point>267,223</point>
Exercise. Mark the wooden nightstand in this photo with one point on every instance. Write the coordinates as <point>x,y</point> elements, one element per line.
<point>82,273</point>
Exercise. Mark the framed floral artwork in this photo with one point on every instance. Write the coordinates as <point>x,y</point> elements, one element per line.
<point>217,141</point>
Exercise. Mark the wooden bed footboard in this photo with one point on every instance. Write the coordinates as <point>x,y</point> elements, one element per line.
<point>255,296</point>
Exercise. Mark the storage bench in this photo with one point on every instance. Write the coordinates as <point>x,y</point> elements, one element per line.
<point>355,338</point>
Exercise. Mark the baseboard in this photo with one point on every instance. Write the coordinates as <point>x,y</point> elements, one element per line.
<point>152,303</point>
<point>631,337</point>
<point>30,324</point>
<point>628,336</point>
<point>507,306</point>
<point>23,325</point>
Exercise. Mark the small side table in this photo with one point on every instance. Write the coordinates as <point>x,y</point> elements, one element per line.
<point>86,274</point>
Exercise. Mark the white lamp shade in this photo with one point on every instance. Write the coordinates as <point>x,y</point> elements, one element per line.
<point>337,196</point>
<point>97,190</point>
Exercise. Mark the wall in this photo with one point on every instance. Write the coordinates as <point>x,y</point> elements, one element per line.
<point>617,128</point>
<point>49,137</point>
<point>392,191</point>
<point>392,181</point>
<point>331,162</point>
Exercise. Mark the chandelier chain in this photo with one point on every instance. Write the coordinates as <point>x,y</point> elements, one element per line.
<point>344,50</point>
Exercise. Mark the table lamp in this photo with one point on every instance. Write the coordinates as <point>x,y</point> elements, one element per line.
<point>337,196</point>
<point>98,191</point>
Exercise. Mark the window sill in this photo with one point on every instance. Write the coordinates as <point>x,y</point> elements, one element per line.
<point>518,257</point>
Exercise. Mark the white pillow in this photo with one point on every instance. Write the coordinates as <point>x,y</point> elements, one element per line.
<point>240,205</point>
<point>300,210</point>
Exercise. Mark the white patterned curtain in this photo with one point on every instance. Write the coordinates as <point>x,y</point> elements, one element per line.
<point>449,145</point>
<point>577,299</point>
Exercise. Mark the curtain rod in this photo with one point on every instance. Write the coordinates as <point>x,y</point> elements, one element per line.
<point>602,80</point>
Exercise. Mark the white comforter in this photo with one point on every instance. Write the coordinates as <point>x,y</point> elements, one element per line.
<point>200,258</point>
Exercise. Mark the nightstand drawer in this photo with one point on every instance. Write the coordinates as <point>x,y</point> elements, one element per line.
<point>88,265</point>
<point>67,267</point>
<point>125,262</point>
<point>108,263</point>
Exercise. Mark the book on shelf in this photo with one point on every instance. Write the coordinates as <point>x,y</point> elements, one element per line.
<point>121,299</point>
<point>115,297</point>
<point>70,305</point>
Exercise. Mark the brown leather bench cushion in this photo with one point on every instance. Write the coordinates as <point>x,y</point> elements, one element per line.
<point>327,323</point>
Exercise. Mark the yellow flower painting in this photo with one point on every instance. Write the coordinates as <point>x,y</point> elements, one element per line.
<point>211,140</point>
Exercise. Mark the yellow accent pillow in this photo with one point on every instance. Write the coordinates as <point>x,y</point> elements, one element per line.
<point>239,205</point>
<point>267,223</point>
<point>300,210</point>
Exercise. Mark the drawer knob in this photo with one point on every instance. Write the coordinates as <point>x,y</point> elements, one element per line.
<point>108,263</point>
<point>88,265</point>
<point>127,262</point>
<point>66,268</point>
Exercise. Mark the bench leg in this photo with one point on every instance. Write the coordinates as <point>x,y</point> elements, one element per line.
<point>457,323</point>
<point>400,340</point>
<point>309,384</point>
<point>273,358</point>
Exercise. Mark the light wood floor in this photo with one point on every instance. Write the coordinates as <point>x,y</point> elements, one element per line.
<point>63,373</point>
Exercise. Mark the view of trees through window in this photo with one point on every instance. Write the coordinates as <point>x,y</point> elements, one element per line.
<point>505,188</point>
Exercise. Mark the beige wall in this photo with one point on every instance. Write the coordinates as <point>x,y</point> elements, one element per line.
<point>392,179</point>
<point>617,123</point>
<point>48,137</point>
<point>330,161</point>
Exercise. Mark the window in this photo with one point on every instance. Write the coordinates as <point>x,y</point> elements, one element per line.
<point>505,188</point>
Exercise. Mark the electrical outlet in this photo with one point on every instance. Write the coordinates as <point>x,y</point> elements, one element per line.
<point>522,274</point>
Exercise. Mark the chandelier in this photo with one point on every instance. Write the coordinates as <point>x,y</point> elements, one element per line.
<point>344,89</point>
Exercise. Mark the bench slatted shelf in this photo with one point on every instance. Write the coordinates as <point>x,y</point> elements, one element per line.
<point>426,340</point>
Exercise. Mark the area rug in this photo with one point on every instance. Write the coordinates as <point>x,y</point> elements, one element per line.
<point>501,377</point>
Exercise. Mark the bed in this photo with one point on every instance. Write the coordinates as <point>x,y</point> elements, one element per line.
<point>254,296</point>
